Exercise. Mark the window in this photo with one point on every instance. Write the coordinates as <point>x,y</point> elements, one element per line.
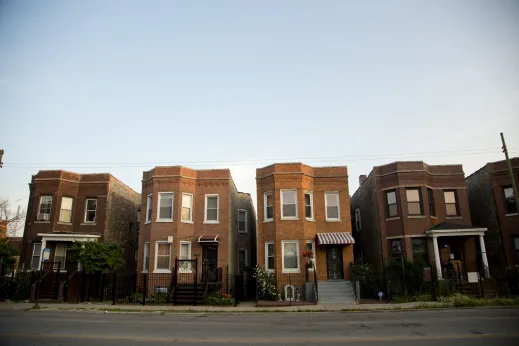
<point>162,256</point>
<point>516,246</point>
<point>269,256</point>
<point>187,207</point>
<point>358,222</point>
<point>65,214</point>
<point>288,204</point>
<point>331,201</point>
<point>90,213</point>
<point>45,208</point>
<point>36,253</point>
<point>309,205</point>
<point>211,208</point>
<point>269,206</point>
<point>451,203</point>
<point>392,209</point>
<point>310,247</point>
<point>396,248</point>
<point>242,259</point>
<point>149,201</point>
<point>60,255</point>
<point>146,257</point>
<point>290,256</point>
<point>414,201</point>
<point>432,207</point>
<point>165,206</point>
<point>510,206</point>
<point>242,221</point>
<point>185,254</point>
<point>420,254</point>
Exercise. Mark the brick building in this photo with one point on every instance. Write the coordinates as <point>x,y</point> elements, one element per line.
<point>417,211</point>
<point>65,207</point>
<point>492,205</point>
<point>187,214</point>
<point>303,208</point>
<point>3,228</point>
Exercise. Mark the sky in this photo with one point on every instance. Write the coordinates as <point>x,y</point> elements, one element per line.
<point>123,86</point>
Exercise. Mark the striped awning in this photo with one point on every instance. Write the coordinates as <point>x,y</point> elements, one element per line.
<point>335,238</point>
<point>208,238</point>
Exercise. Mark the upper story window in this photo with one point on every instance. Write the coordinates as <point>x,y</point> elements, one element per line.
<point>269,255</point>
<point>332,206</point>
<point>149,201</point>
<point>358,221</point>
<point>187,207</point>
<point>451,202</point>
<point>268,201</point>
<point>211,208</point>
<point>392,208</point>
<point>91,208</point>
<point>165,206</point>
<point>414,201</point>
<point>288,204</point>
<point>65,214</point>
<point>242,221</point>
<point>510,206</point>
<point>432,207</point>
<point>309,205</point>
<point>45,208</point>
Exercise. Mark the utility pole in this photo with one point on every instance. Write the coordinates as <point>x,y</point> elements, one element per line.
<point>510,171</point>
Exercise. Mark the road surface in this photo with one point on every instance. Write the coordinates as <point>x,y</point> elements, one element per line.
<point>432,327</point>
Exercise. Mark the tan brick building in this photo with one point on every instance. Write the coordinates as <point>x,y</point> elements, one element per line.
<point>195,214</point>
<point>417,211</point>
<point>303,208</point>
<point>65,207</point>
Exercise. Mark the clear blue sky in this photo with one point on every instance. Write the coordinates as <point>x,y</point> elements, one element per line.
<point>87,86</point>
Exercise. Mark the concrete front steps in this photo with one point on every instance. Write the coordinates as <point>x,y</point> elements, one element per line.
<point>336,292</point>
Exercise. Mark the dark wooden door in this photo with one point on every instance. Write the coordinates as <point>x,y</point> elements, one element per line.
<point>209,261</point>
<point>334,262</point>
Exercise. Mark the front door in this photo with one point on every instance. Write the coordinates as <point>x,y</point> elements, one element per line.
<point>209,260</point>
<point>334,262</point>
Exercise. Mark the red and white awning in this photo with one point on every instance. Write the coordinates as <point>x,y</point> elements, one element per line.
<point>208,238</point>
<point>335,238</point>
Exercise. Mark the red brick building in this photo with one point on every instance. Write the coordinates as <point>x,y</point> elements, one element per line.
<point>3,228</point>
<point>65,207</point>
<point>303,208</point>
<point>417,211</point>
<point>493,206</point>
<point>188,214</point>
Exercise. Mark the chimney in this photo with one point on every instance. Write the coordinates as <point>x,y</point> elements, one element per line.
<point>362,178</point>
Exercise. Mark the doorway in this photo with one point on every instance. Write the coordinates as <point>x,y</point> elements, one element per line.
<point>334,262</point>
<point>209,261</point>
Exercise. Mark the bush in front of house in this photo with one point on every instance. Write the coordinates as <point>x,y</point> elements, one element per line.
<point>215,300</point>
<point>266,282</point>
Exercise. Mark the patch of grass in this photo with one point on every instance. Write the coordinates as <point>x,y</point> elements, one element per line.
<point>432,306</point>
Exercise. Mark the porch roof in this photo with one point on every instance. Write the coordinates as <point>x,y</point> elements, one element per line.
<point>208,238</point>
<point>453,229</point>
<point>68,236</point>
<point>335,238</point>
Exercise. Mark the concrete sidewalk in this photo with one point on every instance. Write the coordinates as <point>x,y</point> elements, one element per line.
<point>242,307</point>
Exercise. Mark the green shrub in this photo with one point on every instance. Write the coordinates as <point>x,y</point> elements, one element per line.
<point>159,297</point>
<point>134,298</point>
<point>400,299</point>
<point>215,300</point>
<point>266,283</point>
<point>443,288</point>
<point>424,297</point>
<point>362,271</point>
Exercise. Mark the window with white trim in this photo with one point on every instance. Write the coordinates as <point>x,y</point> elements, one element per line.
<point>65,213</point>
<point>358,220</point>
<point>269,255</point>
<point>451,202</point>
<point>211,208</point>
<point>146,257</point>
<point>332,206</point>
<point>242,221</point>
<point>185,254</point>
<point>187,207</point>
<point>165,208</point>
<point>162,256</point>
<point>90,210</point>
<point>242,259</point>
<point>309,205</point>
<point>44,209</point>
<point>60,256</point>
<point>149,201</point>
<point>36,253</point>
<point>290,256</point>
<point>288,204</point>
<point>268,201</point>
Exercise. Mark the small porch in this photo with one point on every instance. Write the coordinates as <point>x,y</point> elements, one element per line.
<point>334,255</point>
<point>455,250</point>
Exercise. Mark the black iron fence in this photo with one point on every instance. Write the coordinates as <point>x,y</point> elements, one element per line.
<point>17,286</point>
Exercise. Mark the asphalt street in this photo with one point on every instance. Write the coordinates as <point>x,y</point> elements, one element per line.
<point>432,327</point>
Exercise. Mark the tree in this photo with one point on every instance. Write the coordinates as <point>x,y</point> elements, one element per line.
<point>7,253</point>
<point>97,257</point>
<point>13,218</point>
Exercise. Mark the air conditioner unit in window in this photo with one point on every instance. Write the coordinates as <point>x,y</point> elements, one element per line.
<point>43,217</point>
